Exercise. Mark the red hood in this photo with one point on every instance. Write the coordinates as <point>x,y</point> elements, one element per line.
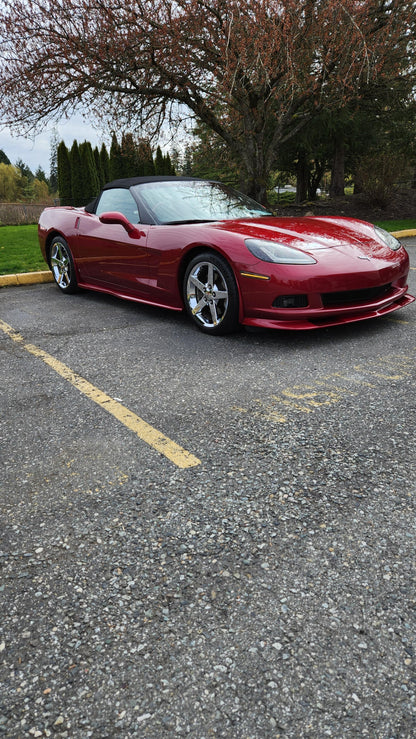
<point>308,234</point>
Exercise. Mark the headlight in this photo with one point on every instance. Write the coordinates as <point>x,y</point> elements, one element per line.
<point>388,238</point>
<point>269,251</point>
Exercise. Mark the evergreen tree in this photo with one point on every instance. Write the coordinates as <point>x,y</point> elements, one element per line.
<point>159,162</point>
<point>105,164</point>
<point>77,185</point>
<point>211,159</point>
<point>169,168</point>
<point>25,170</point>
<point>40,175</point>
<point>98,167</point>
<point>129,154</point>
<point>90,179</point>
<point>188,162</point>
<point>146,165</point>
<point>116,160</point>
<point>64,174</point>
<point>4,159</point>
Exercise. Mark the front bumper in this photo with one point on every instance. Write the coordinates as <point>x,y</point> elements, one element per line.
<point>301,320</point>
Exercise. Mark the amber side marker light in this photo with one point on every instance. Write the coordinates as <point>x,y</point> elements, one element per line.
<point>256,277</point>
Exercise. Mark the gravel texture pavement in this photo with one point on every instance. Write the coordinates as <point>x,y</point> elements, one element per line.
<point>267,592</point>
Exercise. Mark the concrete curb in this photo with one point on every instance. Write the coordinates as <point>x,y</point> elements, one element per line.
<point>25,278</point>
<point>404,234</point>
<point>33,278</point>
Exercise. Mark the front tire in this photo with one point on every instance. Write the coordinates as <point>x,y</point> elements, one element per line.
<point>210,294</point>
<point>62,265</point>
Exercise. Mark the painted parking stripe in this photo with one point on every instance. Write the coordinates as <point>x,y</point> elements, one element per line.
<point>331,389</point>
<point>175,453</point>
<point>398,320</point>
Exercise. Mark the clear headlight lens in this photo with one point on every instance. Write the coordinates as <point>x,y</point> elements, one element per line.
<point>270,251</point>
<point>388,238</point>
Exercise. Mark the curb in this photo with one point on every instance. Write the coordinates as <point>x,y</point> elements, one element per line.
<point>25,278</point>
<point>404,234</point>
<point>34,278</point>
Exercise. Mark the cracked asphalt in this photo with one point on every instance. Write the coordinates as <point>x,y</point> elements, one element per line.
<point>267,591</point>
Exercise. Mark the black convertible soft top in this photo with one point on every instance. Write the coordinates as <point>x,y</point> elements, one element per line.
<point>131,181</point>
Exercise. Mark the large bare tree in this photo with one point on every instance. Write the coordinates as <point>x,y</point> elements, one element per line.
<point>255,72</point>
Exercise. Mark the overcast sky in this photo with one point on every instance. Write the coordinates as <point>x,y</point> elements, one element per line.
<point>36,152</point>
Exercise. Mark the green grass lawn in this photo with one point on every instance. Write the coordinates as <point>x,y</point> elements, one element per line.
<point>404,225</point>
<point>20,252</point>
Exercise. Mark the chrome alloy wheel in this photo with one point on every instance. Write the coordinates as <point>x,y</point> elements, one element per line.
<point>207,294</point>
<point>61,265</point>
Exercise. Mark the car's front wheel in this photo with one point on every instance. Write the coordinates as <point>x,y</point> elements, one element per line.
<point>62,265</point>
<point>210,294</point>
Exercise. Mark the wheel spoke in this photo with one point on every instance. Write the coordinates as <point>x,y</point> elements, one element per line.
<point>56,261</point>
<point>213,310</point>
<point>199,307</point>
<point>64,276</point>
<point>197,283</point>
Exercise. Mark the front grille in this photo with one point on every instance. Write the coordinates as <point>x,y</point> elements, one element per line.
<point>353,297</point>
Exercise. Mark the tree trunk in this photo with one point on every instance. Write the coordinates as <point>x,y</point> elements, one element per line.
<point>257,168</point>
<point>338,168</point>
<point>315,178</point>
<point>302,178</point>
<point>256,188</point>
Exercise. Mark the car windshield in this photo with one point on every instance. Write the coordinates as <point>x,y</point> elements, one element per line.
<point>190,201</point>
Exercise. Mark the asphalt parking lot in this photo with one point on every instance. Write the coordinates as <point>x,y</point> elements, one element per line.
<point>204,537</point>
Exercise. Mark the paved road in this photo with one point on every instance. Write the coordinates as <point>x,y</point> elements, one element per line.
<point>204,537</point>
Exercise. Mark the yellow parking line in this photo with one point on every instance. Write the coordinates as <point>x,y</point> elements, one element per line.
<point>175,453</point>
<point>396,320</point>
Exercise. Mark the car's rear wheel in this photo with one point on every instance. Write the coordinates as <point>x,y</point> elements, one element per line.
<point>210,294</point>
<point>62,265</point>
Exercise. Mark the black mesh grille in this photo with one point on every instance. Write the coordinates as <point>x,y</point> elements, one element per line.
<point>352,297</point>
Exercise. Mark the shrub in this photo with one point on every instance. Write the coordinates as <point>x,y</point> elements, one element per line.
<point>16,214</point>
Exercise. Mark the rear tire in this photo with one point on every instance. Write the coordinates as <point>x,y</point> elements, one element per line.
<point>210,294</point>
<point>62,265</point>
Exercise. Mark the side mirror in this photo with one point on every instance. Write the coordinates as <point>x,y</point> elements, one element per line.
<point>113,217</point>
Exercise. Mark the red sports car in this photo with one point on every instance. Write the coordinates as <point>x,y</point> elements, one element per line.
<point>180,242</point>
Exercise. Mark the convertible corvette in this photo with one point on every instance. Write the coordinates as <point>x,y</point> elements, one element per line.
<point>180,242</point>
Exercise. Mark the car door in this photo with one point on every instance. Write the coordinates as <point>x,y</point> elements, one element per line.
<point>108,255</point>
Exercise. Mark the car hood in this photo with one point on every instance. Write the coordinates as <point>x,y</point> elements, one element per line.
<point>309,234</point>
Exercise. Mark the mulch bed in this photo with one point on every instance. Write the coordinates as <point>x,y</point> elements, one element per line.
<point>402,205</point>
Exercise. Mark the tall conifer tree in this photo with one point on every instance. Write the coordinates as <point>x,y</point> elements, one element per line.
<point>105,163</point>
<point>76,175</point>
<point>90,179</point>
<point>64,174</point>
<point>116,160</point>
<point>129,155</point>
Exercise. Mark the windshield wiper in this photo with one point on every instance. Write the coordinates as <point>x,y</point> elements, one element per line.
<point>189,220</point>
